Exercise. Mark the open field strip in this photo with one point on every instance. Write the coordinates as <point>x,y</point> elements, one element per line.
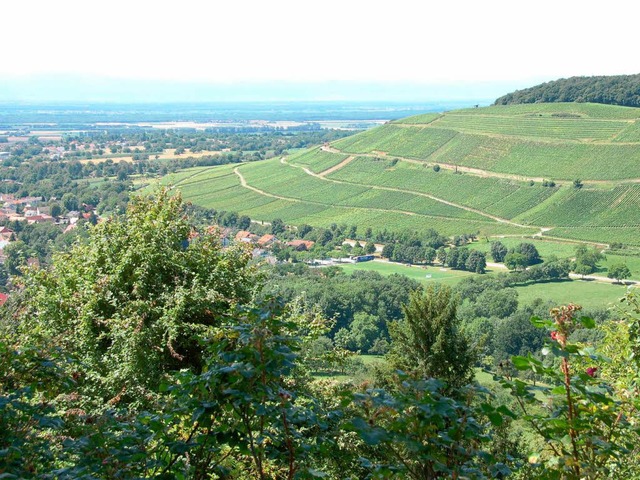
<point>589,294</point>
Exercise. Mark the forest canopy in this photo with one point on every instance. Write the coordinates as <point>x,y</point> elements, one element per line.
<point>621,90</point>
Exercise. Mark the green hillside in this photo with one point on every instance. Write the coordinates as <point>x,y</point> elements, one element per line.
<point>494,168</point>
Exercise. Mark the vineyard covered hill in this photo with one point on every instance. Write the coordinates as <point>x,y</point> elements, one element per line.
<point>499,170</point>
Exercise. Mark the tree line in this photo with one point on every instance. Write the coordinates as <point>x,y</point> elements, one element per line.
<point>613,90</point>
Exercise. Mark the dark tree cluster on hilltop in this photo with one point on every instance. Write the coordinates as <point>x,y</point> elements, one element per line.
<point>613,90</point>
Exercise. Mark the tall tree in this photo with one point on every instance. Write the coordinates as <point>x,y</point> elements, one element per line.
<point>428,342</point>
<point>619,271</point>
<point>498,251</point>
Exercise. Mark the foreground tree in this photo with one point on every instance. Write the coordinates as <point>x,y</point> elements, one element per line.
<point>428,342</point>
<point>134,302</point>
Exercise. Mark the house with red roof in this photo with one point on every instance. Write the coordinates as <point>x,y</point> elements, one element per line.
<point>267,240</point>
<point>301,245</point>
<point>246,237</point>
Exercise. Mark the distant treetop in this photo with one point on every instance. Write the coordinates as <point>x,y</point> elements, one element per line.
<point>613,90</point>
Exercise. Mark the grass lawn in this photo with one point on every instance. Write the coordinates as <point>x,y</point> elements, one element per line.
<point>545,247</point>
<point>589,294</point>
<point>420,273</point>
<point>632,262</point>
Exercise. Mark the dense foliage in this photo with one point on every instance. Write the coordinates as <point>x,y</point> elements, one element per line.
<point>133,301</point>
<point>151,313</point>
<point>614,90</point>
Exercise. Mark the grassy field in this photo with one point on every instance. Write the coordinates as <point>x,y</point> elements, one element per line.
<point>424,274</point>
<point>589,294</point>
<point>544,247</point>
<point>633,262</point>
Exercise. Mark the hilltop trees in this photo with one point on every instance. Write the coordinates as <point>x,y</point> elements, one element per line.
<point>615,90</point>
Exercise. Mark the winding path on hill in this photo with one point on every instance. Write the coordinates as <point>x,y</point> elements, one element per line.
<point>343,163</point>
<point>447,166</point>
<point>243,183</point>
<point>426,195</point>
<point>478,172</point>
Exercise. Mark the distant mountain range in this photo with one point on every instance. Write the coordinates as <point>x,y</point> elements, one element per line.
<point>612,90</point>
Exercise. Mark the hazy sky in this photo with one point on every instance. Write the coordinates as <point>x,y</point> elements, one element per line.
<point>516,42</point>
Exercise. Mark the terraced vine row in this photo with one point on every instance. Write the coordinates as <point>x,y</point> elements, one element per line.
<point>417,142</point>
<point>283,180</point>
<point>316,159</point>
<point>498,197</point>
<point>617,207</point>
<point>539,127</point>
<point>380,190</point>
<point>585,110</point>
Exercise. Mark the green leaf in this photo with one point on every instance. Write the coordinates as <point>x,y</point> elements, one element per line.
<point>496,419</point>
<point>504,410</point>
<point>588,322</point>
<point>540,323</point>
<point>371,435</point>
<point>521,363</point>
